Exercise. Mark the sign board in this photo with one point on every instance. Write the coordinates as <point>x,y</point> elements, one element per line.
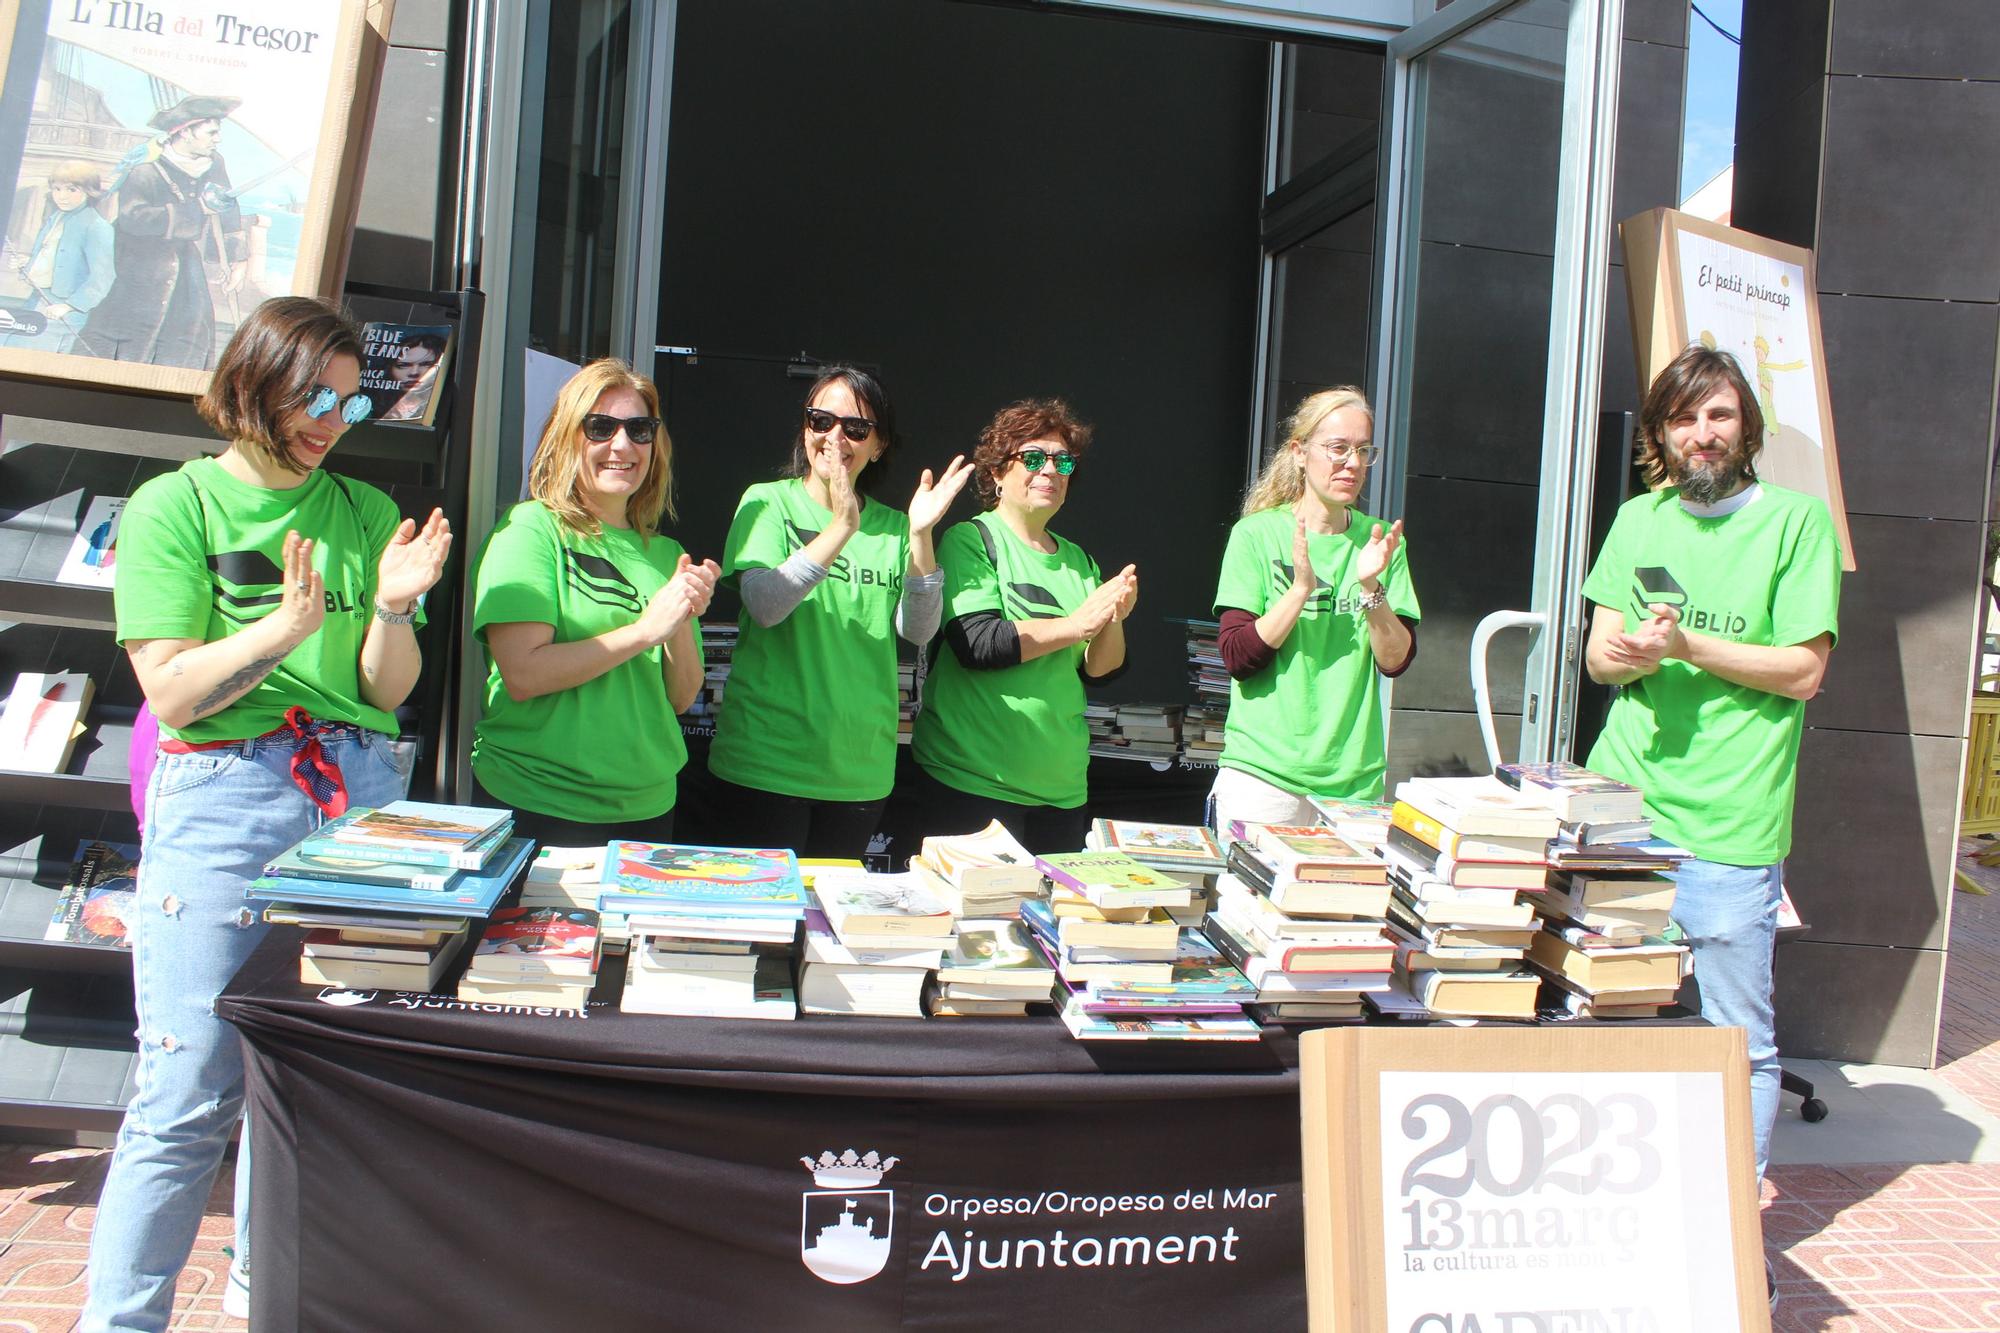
<point>1697,281</point>
<point>1473,1180</point>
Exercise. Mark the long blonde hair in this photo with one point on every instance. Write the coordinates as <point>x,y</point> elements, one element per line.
<point>1283,481</point>
<point>556,476</point>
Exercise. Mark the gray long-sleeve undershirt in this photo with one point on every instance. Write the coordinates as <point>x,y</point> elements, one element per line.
<point>769,595</point>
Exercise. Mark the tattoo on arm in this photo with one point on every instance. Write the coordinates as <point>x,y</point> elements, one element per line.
<point>225,693</point>
<point>177,667</point>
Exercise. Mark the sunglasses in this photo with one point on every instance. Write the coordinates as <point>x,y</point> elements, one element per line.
<point>1033,460</point>
<point>820,422</point>
<point>354,409</point>
<point>599,428</point>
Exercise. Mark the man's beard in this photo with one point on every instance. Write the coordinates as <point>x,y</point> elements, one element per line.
<point>1708,483</point>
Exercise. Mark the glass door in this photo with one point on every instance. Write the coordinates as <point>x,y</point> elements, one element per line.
<point>1495,205</point>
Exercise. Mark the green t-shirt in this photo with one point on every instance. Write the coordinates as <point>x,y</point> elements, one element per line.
<point>1014,733</point>
<point>1718,762</point>
<point>200,556</point>
<point>609,749</point>
<point>1311,722</point>
<point>810,709</point>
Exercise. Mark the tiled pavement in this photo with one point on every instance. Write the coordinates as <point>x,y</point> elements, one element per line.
<point>1862,1248</point>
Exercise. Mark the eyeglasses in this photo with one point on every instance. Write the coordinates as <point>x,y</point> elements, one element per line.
<point>599,428</point>
<point>820,422</point>
<point>1340,455</point>
<point>354,409</point>
<point>1034,459</point>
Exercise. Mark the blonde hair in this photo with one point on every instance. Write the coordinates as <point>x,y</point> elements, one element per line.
<point>84,175</point>
<point>1283,481</point>
<point>556,476</point>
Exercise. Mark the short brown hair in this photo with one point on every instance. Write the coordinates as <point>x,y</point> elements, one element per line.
<point>1013,426</point>
<point>1689,380</point>
<point>84,175</point>
<point>269,368</point>
<point>556,476</point>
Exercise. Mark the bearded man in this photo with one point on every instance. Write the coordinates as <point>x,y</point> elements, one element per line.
<point>1714,609</point>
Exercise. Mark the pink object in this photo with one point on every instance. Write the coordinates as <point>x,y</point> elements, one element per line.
<point>139,763</point>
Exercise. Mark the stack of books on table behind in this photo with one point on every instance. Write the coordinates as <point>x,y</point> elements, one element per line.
<point>1204,998</point>
<point>573,878</point>
<point>872,942</point>
<point>712,930</point>
<point>1301,911</point>
<point>1142,731</point>
<point>1202,733</point>
<point>718,649</point>
<point>983,874</point>
<point>1202,724</point>
<point>387,896</point>
<point>1363,823</point>
<point>1188,852</point>
<point>544,957</point>
<point>906,700</point>
<point>1608,947</point>
<point>1107,927</point>
<point>1462,853</point>
<point>993,970</point>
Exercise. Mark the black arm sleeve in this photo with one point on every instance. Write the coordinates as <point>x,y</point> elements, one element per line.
<point>984,641</point>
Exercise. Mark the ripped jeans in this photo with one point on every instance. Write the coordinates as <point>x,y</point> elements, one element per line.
<point>213,818</point>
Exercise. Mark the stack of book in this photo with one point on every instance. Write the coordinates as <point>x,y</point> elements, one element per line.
<point>1301,912</point>
<point>1204,663</point>
<point>1202,733</point>
<point>983,874</point>
<point>570,878</point>
<point>1106,918</point>
<point>993,970</point>
<point>872,942</point>
<point>1188,852</point>
<point>718,649</point>
<point>351,882</point>
<point>1141,731</point>
<point>1101,721</point>
<point>712,929</point>
<point>906,701</point>
<point>1462,852</point>
<point>1204,998</point>
<point>545,957</point>
<point>1608,947</point>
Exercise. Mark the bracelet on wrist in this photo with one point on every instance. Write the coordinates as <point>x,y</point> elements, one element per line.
<point>1371,600</point>
<point>388,617</point>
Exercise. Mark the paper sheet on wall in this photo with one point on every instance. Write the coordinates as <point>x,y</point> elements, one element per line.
<point>542,379</point>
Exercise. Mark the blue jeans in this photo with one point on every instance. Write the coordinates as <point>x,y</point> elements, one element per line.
<point>1730,914</point>
<point>213,818</point>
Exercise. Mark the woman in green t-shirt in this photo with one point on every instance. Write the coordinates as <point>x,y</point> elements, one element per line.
<point>589,616</point>
<point>1029,621</point>
<point>805,745</point>
<point>1316,606</point>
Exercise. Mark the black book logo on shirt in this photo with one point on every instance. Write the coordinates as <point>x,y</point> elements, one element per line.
<point>247,585</point>
<point>1652,584</point>
<point>1029,601</point>
<point>798,538</point>
<point>1322,594</point>
<point>600,581</point>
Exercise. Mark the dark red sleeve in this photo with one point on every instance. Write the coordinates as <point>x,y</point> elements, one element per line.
<point>1244,652</point>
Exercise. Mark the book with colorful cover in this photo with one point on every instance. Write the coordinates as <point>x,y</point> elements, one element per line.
<point>1362,822</point>
<point>1574,792</point>
<point>1186,846</point>
<point>477,894</point>
<point>331,860</point>
<point>1113,879</point>
<point>401,367</point>
<point>1317,856</point>
<point>539,943</point>
<point>996,951</point>
<point>678,879</point>
<point>96,905</point>
<point>459,837</point>
<point>1087,1026</point>
<point>92,560</point>
<point>1201,971</point>
<point>1479,806</point>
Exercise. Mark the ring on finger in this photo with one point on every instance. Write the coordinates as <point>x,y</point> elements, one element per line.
<point>301,585</point>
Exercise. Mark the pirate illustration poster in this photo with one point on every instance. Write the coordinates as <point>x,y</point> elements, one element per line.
<point>174,163</point>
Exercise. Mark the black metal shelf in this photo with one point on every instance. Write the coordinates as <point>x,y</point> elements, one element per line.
<point>45,602</point>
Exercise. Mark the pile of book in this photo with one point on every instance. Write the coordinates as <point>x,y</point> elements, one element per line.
<point>1203,998</point>
<point>1141,731</point>
<point>1101,721</point>
<point>1183,850</point>
<point>387,895</point>
<point>1204,664</point>
<point>1300,911</point>
<point>871,943</point>
<point>993,970</point>
<point>572,878</point>
<point>712,929</point>
<point>1202,733</point>
<point>906,701</point>
<point>1608,946</point>
<point>718,650</point>
<point>1462,853</point>
<point>1363,823</point>
<point>983,874</point>
<point>543,957</point>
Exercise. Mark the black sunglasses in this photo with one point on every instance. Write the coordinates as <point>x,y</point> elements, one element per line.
<point>354,409</point>
<point>599,428</point>
<point>1034,459</point>
<point>820,422</point>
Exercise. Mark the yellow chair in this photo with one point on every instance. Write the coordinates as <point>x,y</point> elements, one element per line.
<point>1981,811</point>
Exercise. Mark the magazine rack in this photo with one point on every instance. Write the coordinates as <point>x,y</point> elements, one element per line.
<point>66,1018</point>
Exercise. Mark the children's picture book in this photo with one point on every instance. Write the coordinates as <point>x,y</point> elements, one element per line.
<point>93,553</point>
<point>538,943</point>
<point>313,860</point>
<point>1188,845</point>
<point>447,831</point>
<point>96,904</point>
<point>401,367</point>
<point>1113,879</point>
<point>477,894</point>
<point>725,881</point>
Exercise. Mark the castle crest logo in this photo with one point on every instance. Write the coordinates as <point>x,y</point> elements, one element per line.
<point>845,1226</point>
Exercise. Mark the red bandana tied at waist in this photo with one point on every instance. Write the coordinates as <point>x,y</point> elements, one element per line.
<point>318,776</point>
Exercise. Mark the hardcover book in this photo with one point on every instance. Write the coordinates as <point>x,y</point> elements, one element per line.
<point>450,834</point>
<point>477,894</point>
<point>96,905</point>
<point>1188,846</point>
<point>723,881</point>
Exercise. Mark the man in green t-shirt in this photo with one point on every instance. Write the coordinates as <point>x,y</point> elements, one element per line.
<point>1715,606</point>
